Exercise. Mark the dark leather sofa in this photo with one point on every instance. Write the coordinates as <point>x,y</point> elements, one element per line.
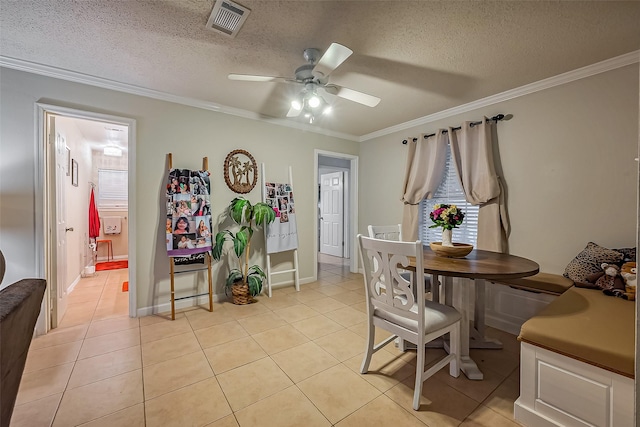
<point>19,309</point>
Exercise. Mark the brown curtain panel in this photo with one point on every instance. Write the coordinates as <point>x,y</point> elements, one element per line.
<point>472,152</point>
<point>426,159</point>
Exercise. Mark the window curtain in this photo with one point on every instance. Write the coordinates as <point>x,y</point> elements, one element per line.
<point>426,160</point>
<point>472,151</point>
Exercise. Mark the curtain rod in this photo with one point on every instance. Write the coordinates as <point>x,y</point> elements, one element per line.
<point>495,118</point>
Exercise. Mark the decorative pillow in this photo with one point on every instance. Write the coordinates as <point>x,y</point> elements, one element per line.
<point>589,261</point>
<point>629,254</point>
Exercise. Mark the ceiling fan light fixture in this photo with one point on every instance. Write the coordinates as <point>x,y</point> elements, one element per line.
<point>314,101</point>
<point>296,104</point>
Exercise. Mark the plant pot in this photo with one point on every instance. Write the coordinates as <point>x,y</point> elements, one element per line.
<point>240,293</point>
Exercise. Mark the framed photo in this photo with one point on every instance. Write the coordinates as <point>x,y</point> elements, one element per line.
<point>68,169</point>
<point>74,173</point>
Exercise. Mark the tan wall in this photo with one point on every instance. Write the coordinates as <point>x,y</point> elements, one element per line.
<point>568,160</point>
<point>162,127</point>
<point>119,242</point>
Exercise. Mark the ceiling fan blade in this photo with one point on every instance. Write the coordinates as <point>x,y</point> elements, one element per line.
<point>252,78</point>
<point>353,95</point>
<point>332,58</point>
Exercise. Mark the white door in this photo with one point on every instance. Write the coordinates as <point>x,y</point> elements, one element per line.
<point>332,213</point>
<point>59,289</point>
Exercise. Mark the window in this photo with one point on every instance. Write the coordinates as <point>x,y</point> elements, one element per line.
<point>450,192</point>
<point>113,188</point>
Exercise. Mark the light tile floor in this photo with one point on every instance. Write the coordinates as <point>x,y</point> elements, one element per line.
<point>291,360</point>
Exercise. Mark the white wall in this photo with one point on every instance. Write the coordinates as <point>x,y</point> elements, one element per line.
<point>77,198</point>
<point>119,242</point>
<point>568,160</point>
<point>162,127</point>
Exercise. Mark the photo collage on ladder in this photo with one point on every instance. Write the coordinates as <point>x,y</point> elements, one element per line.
<point>188,234</point>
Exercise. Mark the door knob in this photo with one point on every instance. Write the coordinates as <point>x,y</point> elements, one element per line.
<point>68,229</point>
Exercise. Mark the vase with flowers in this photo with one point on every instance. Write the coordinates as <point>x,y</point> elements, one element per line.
<point>448,217</point>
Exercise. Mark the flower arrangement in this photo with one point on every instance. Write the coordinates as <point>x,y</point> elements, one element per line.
<point>446,216</point>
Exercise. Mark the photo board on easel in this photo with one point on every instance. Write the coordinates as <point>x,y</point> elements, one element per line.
<point>282,234</point>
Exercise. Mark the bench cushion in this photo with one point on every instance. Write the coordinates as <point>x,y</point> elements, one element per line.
<point>587,325</point>
<point>542,282</point>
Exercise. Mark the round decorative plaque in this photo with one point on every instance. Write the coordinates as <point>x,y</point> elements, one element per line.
<point>240,171</point>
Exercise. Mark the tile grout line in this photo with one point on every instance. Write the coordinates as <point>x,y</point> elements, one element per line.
<point>91,321</point>
<point>76,360</point>
<point>479,405</point>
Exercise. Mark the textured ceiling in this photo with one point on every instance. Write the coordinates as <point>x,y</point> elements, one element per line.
<point>419,57</point>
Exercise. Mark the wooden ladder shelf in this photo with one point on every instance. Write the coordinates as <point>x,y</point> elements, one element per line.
<point>205,166</point>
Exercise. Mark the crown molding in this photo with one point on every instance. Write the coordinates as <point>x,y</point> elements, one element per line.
<point>580,73</point>
<point>73,76</point>
<point>570,76</point>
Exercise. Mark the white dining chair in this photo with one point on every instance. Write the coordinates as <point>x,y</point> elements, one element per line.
<point>392,306</point>
<point>394,232</point>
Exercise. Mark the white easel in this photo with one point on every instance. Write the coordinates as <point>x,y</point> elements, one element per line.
<point>295,251</point>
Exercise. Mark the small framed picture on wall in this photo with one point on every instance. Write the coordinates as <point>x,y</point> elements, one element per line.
<point>74,173</point>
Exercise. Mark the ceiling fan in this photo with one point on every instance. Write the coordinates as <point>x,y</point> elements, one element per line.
<point>314,76</point>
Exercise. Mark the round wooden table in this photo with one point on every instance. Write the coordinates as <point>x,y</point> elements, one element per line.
<point>478,266</point>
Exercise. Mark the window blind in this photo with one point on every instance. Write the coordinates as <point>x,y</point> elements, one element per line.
<point>449,192</point>
<point>113,188</point>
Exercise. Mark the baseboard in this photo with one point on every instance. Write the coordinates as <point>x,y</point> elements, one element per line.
<point>185,303</point>
<point>529,418</point>
<point>503,324</point>
<point>73,285</point>
<point>291,282</point>
<point>113,258</point>
<point>204,300</point>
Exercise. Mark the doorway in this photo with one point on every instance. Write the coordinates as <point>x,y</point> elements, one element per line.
<point>70,145</point>
<point>335,178</point>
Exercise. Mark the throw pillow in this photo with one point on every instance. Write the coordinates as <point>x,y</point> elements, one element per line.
<point>629,254</point>
<point>589,261</point>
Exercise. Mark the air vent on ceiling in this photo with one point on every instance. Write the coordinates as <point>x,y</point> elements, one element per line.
<point>227,17</point>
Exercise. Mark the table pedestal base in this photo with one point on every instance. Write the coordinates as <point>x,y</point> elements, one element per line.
<point>484,342</point>
<point>470,369</point>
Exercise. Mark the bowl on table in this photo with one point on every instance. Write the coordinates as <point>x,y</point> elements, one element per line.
<point>458,250</point>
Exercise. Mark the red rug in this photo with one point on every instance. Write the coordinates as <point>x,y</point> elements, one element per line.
<point>125,286</point>
<point>112,265</point>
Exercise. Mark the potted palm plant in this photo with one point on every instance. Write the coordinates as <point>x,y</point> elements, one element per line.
<point>245,282</point>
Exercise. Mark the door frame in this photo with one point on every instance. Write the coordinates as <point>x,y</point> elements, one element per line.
<point>46,252</point>
<point>353,207</point>
<point>59,212</point>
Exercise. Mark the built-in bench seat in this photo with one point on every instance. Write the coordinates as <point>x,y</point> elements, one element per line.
<point>511,302</point>
<point>577,362</point>
<point>546,283</point>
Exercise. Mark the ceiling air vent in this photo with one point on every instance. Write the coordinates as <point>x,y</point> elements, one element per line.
<point>227,17</point>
